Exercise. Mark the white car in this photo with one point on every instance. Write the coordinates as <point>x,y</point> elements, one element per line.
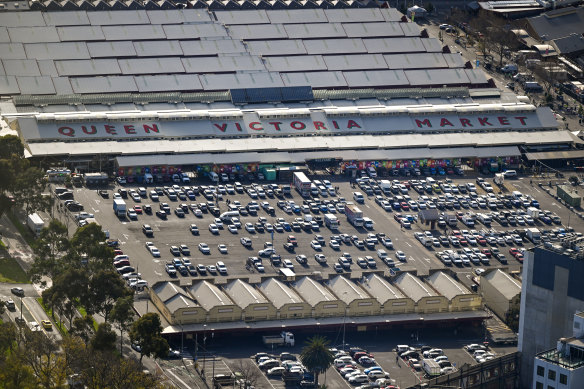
<point>334,245</point>
<point>382,254</point>
<point>221,267</point>
<point>154,251</point>
<point>213,228</point>
<point>359,379</point>
<point>377,374</point>
<point>400,255</point>
<point>315,245</point>
<point>222,249</point>
<point>232,229</point>
<point>288,264</point>
<point>204,248</point>
<point>249,227</point>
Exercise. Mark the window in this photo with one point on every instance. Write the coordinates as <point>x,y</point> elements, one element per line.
<point>540,371</point>
<point>552,375</point>
<point>538,385</point>
<point>551,387</point>
<point>563,379</point>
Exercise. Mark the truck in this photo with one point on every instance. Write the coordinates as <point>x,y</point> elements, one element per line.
<point>533,212</point>
<point>302,184</point>
<point>534,235</point>
<point>284,339</point>
<point>499,179</point>
<point>119,207</point>
<point>354,215</point>
<point>385,186</point>
<point>431,367</point>
<point>451,219</point>
<point>35,223</point>
<point>532,86</point>
<point>331,221</point>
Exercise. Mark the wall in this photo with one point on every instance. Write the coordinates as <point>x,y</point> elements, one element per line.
<point>295,311</point>
<point>466,302</point>
<point>494,299</point>
<point>433,304</point>
<point>224,313</point>
<point>364,307</point>
<point>329,309</point>
<point>398,306</point>
<point>257,312</point>
<point>189,316</point>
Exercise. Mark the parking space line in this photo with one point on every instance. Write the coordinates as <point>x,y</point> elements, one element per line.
<point>169,371</point>
<point>263,375</point>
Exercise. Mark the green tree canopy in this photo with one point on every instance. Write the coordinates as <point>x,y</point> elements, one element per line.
<point>316,355</point>
<point>146,333</point>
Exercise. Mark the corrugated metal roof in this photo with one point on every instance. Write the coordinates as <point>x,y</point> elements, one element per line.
<point>22,19</point>
<point>446,285</point>
<point>8,85</point>
<point>313,292</point>
<point>394,45</point>
<point>174,82</point>
<point>33,35</point>
<point>12,51</point>
<point>241,80</point>
<point>297,16</point>
<point>256,16</point>
<point>158,48</point>
<point>437,77</point>
<point>244,294</point>
<point>355,61</point>
<point>347,290</point>
<point>66,18</point>
<point>20,67</point>
<point>163,65</point>
<point>281,47</point>
<point>87,67</point>
<point>377,29</point>
<point>415,61</point>
<point>111,49</point>
<point>413,287</point>
<point>335,46</point>
<point>315,79</point>
<point>354,15</point>
<point>380,288</point>
<point>295,63</point>
<point>208,295</point>
<point>279,293</point>
<point>376,78</point>
<point>115,17</point>
<point>62,50</point>
<point>258,31</point>
<point>222,64</point>
<point>109,84</point>
<point>130,32</point>
<point>80,33</point>
<point>503,282</point>
<point>212,47</point>
<point>311,31</point>
<point>178,16</point>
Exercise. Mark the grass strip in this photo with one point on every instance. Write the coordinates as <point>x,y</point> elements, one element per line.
<point>60,325</point>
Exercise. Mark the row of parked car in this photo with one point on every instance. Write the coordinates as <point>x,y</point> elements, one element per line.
<point>359,367</point>
<point>287,367</point>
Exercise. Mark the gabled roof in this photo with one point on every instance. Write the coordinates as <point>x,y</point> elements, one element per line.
<point>244,294</point>
<point>503,282</point>
<point>279,293</point>
<point>209,296</point>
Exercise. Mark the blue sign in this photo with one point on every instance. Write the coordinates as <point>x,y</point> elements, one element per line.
<point>478,63</point>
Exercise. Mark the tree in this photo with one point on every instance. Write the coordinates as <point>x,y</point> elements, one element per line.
<point>14,374</point>
<point>29,186</point>
<point>11,146</point>
<point>105,288</point>
<point>248,372</point>
<point>122,315</point>
<point>50,247</point>
<point>146,333</point>
<point>41,354</point>
<point>83,328</point>
<point>316,356</point>
<point>548,76</point>
<point>88,241</point>
<point>104,339</point>
<point>69,288</point>
<point>501,40</point>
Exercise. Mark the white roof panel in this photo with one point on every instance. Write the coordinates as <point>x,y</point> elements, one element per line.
<point>62,85</point>
<point>354,15</point>
<point>177,16</point>
<point>62,50</point>
<point>376,78</point>
<point>335,46</point>
<point>391,14</point>
<point>141,32</point>
<point>256,16</point>
<point>437,77</point>
<point>4,38</point>
<point>33,35</point>
<point>222,64</point>
<point>47,67</point>
<point>242,80</point>
<point>314,15</point>
<point>8,85</point>
<point>116,17</point>
<point>446,285</point>
<point>12,51</point>
<point>111,49</point>
<point>66,18</point>
<point>394,45</point>
<point>151,65</point>
<point>194,31</point>
<point>212,47</point>
<point>355,61</point>
<point>295,63</point>
<point>158,48</point>
<point>258,31</point>
<point>21,67</point>
<point>373,30</point>
<point>282,47</point>
<point>168,83</point>
<point>413,287</point>
<point>410,29</point>
<point>279,293</point>
<point>22,19</point>
<point>80,33</point>
<point>415,61</point>
<point>311,31</point>
<point>315,79</point>
<point>110,84</point>
<point>244,294</point>
<point>90,67</point>
<point>454,60</point>
<point>36,85</point>
<point>432,45</point>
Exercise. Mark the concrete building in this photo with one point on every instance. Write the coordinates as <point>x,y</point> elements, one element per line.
<point>253,304</point>
<point>563,366</point>
<point>175,304</point>
<point>460,298</point>
<point>322,301</point>
<point>500,292</point>
<point>551,293</point>
<point>390,298</point>
<point>358,302</point>
<point>426,299</point>
<point>288,303</point>
<point>218,306</point>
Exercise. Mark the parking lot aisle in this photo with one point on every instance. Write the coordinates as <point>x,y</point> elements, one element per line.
<point>213,366</point>
<point>262,380</point>
<point>181,373</point>
<point>334,380</point>
<point>403,375</point>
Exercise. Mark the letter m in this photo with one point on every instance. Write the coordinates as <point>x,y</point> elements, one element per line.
<point>425,122</point>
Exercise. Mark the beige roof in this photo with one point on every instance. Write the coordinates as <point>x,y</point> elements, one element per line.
<point>278,293</point>
<point>167,290</point>
<point>312,291</point>
<point>503,282</point>
<point>180,301</point>
<point>380,288</point>
<point>243,293</point>
<point>347,290</point>
<point>446,285</point>
<point>209,295</point>
<point>413,287</point>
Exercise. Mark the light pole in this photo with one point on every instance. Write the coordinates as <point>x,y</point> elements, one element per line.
<point>204,346</point>
<point>182,336</point>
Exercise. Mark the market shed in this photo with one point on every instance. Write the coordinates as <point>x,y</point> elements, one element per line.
<point>390,298</point>
<point>501,292</point>
<point>288,303</point>
<point>426,299</point>
<point>358,301</point>
<point>175,304</point>
<point>254,305</point>
<point>217,304</point>
<point>461,299</point>
<point>322,301</point>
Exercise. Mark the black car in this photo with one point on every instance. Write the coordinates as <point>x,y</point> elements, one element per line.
<point>123,192</point>
<point>147,209</point>
<point>161,214</point>
<point>104,193</point>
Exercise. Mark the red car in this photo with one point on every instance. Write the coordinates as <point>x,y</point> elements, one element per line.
<point>404,206</point>
<point>292,239</point>
<point>360,354</point>
<point>487,252</point>
<point>482,241</point>
<point>397,216</point>
<point>513,251</point>
<point>519,257</point>
<point>118,252</point>
<point>138,209</point>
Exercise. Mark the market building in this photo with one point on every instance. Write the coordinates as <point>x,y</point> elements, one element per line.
<point>253,304</point>
<point>501,292</point>
<point>460,298</point>
<point>390,298</point>
<point>427,300</point>
<point>288,303</point>
<point>323,302</point>
<point>175,304</point>
<point>217,305</point>
<point>358,301</point>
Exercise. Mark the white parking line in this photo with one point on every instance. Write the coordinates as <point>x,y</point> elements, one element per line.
<point>178,379</point>
<point>408,244</point>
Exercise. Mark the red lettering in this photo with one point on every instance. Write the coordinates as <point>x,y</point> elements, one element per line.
<point>253,126</point>
<point>484,121</point>
<point>352,123</point>
<point>276,125</point>
<point>221,127</point>
<point>425,122</point>
<point>319,126</point>
<point>110,129</point>
<point>67,131</point>
<point>503,120</point>
<point>93,130</point>
<point>521,119</point>
<point>335,125</point>
<point>465,122</point>
<point>445,122</point>
<point>153,128</point>
<point>238,126</point>
<point>129,129</point>
<point>297,125</point>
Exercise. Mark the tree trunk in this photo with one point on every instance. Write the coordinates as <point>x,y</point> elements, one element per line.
<point>121,341</point>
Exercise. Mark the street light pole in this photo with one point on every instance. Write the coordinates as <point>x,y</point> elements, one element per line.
<point>21,308</point>
<point>204,345</point>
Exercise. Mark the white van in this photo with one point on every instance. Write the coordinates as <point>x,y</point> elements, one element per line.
<point>214,177</point>
<point>358,197</point>
<point>430,181</point>
<point>510,174</point>
<point>227,216</point>
<point>371,171</point>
